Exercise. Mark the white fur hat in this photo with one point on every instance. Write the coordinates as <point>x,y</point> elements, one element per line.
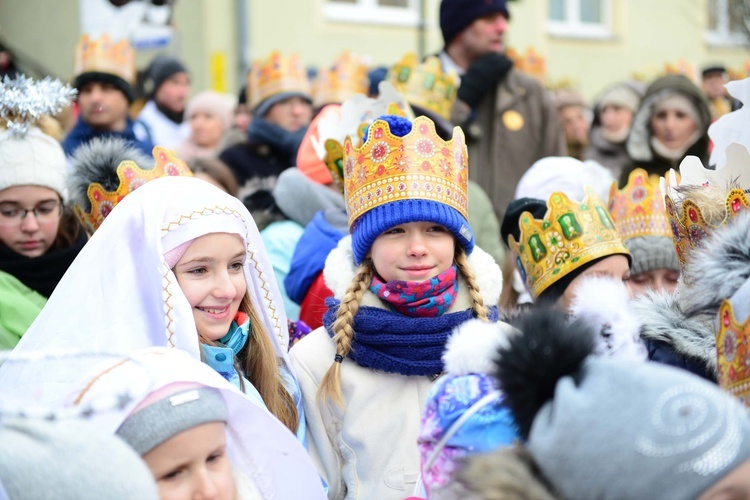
<point>32,159</point>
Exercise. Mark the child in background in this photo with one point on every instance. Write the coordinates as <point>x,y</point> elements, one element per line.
<point>177,263</point>
<point>407,275</point>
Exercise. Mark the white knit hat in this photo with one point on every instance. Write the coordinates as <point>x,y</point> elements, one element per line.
<point>33,159</point>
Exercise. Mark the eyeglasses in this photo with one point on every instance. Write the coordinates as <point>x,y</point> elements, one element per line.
<point>12,215</point>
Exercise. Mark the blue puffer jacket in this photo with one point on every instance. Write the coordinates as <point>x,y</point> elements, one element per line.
<point>83,134</point>
<point>319,238</point>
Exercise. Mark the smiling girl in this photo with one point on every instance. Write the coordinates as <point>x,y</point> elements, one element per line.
<point>407,275</point>
<point>177,263</point>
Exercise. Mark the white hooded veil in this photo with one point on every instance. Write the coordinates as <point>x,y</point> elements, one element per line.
<point>119,294</point>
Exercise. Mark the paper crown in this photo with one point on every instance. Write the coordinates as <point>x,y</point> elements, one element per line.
<point>733,351</point>
<point>530,62</point>
<point>570,235</point>
<point>103,56</point>
<point>276,75</point>
<point>688,223</point>
<point>419,165</point>
<point>638,208</point>
<point>357,113</point>
<point>131,178</point>
<point>347,76</point>
<point>425,85</point>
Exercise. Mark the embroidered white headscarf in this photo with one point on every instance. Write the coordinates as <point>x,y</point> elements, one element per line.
<point>258,445</point>
<point>119,294</point>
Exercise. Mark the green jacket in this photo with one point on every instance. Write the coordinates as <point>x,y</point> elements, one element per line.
<point>19,307</point>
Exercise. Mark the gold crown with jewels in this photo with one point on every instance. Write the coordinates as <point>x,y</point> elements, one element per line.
<point>131,178</point>
<point>425,85</point>
<point>570,235</point>
<point>347,76</point>
<point>419,165</point>
<point>685,208</point>
<point>638,208</point>
<point>101,55</point>
<point>275,75</point>
<point>733,352</point>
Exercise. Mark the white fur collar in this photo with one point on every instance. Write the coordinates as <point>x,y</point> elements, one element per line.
<point>473,347</point>
<point>340,269</point>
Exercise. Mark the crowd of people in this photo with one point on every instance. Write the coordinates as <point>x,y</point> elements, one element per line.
<point>437,279</point>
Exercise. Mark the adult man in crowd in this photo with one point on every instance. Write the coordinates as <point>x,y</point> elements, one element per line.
<point>509,119</point>
<point>167,85</point>
<point>713,79</point>
<point>105,93</point>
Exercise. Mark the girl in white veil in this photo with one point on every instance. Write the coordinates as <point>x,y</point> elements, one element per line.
<point>121,294</point>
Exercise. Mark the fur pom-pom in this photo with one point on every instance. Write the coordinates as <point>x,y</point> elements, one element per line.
<point>549,347</point>
<point>473,345</point>
<point>603,303</point>
<point>97,161</point>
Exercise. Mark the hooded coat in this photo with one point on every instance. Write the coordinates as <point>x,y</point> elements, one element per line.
<point>638,144</point>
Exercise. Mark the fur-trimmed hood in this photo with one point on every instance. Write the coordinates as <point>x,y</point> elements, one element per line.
<point>474,345</point>
<point>691,336</point>
<point>340,270</point>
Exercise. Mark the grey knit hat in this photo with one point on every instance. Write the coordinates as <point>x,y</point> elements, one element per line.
<point>66,460</point>
<point>147,428</point>
<point>652,252</point>
<point>602,428</point>
<point>300,198</point>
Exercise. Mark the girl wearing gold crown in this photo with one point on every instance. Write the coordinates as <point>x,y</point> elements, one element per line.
<point>177,263</point>
<point>405,278</point>
<point>39,238</point>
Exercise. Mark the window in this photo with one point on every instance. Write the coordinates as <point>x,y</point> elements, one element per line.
<point>726,22</point>
<point>392,12</point>
<point>579,18</point>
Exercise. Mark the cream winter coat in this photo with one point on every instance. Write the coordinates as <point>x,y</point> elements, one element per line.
<point>369,450</point>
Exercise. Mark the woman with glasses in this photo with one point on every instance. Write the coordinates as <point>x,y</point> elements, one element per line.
<point>39,238</point>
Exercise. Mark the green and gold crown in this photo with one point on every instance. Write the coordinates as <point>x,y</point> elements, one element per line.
<point>425,85</point>
<point>570,235</point>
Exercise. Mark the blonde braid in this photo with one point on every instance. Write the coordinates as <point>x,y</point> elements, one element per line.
<point>343,332</point>
<point>462,261</point>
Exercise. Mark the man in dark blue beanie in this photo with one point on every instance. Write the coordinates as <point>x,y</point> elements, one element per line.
<point>509,118</point>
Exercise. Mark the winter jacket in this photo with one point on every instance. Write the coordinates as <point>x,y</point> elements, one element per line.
<point>368,450</point>
<point>19,307</point>
<point>280,239</point>
<point>313,306</point>
<point>638,144</point>
<point>484,223</point>
<point>82,134</point>
<point>159,129</point>
<point>511,129</point>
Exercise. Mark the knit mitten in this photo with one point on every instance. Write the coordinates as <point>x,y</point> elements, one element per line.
<point>482,76</point>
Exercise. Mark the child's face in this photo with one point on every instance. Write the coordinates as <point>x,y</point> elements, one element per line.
<point>210,274</point>
<point>416,251</point>
<point>193,464</point>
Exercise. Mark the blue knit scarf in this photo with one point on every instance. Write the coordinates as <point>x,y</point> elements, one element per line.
<point>394,343</point>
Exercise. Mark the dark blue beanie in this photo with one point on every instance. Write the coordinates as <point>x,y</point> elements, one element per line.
<point>373,223</point>
<point>456,15</point>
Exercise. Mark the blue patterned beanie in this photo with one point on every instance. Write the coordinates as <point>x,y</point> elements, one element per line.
<point>374,222</point>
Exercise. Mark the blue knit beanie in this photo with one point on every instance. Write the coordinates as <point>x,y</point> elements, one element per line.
<point>374,222</point>
<point>456,15</point>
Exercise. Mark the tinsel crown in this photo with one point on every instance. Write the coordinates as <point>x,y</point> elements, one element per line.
<point>23,101</point>
<point>276,75</point>
<point>346,77</point>
<point>638,208</point>
<point>131,178</point>
<point>419,165</point>
<point>103,56</point>
<point>425,85</point>
<point>570,235</point>
<point>733,351</point>
<point>685,207</point>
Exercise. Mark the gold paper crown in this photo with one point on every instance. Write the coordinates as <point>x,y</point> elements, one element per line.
<point>638,209</point>
<point>102,56</point>
<point>275,75</point>
<point>531,62</point>
<point>570,235</point>
<point>419,165</point>
<point>347,76</point>
<point>687,222</point>
<point>131,177</point>
<point>425,85</point>
<point>733,351</point>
